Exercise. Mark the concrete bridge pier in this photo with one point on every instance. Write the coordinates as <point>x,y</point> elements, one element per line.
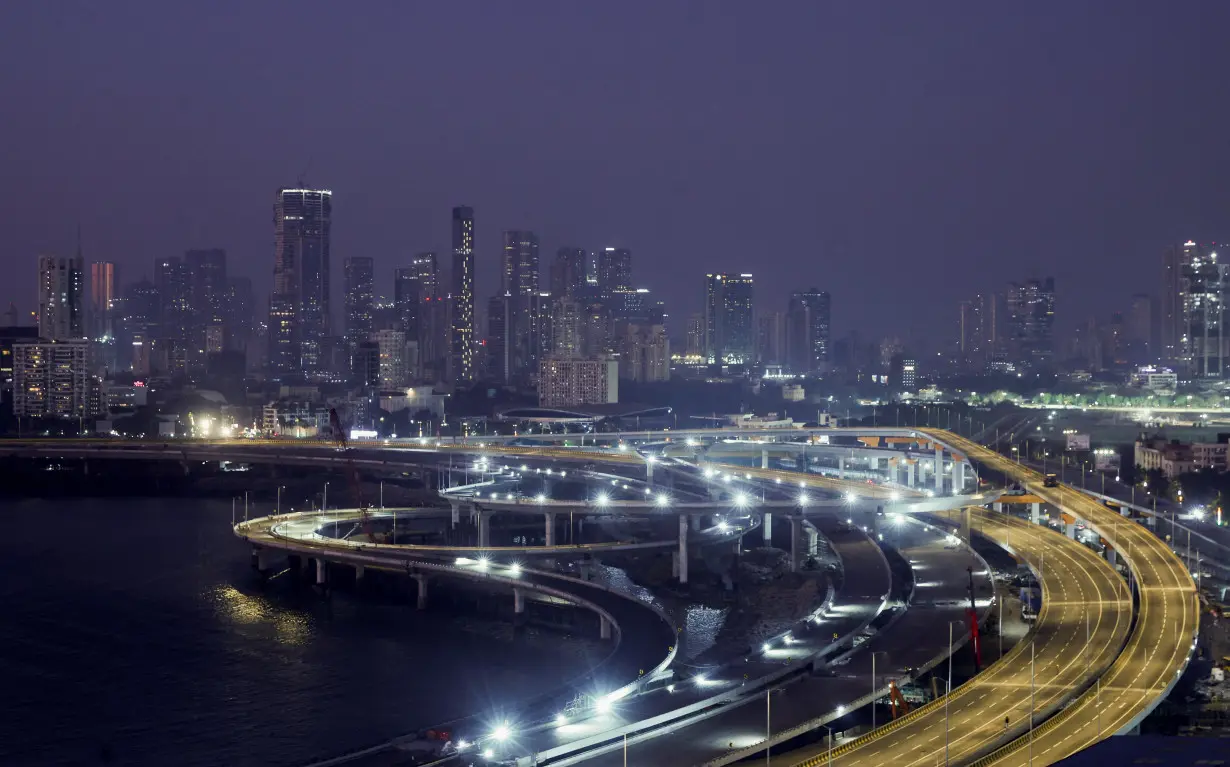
<point>322,572</point>
<point>483,520</point>
<point>262,559</point>
<point>683,548</point>
<point>518,602</point>
<point>604,627</point>
<point>909,474</point>
<point>796,543</point>
<point>1070,529</point>
<point>965,524</point>
<point>456,511</point>
<point>697,521</point>
<point>1035,513</point>
<point>958,477</point>
<point>550,531</point>
<point>1112,556</point>
<point>939,471</point>
<point>767,526</point>
<point>421,581</point>
<point>813,541</point>
<point>764,458</point>
<point>841,467</point>
<point>359,572</point>
<point>649,462</point>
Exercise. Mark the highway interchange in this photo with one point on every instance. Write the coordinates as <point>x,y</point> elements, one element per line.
<point>1114,679</point>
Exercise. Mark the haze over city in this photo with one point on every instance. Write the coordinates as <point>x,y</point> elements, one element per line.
<point>898,156</point>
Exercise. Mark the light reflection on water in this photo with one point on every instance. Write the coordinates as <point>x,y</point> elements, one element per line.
<point>289,627</point>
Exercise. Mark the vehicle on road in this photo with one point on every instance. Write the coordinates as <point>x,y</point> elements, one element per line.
<point>1050,480</point>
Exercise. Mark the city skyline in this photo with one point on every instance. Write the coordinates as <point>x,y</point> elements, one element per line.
<point>1115,208</point>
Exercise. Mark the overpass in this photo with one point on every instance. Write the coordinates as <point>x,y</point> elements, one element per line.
<point>1160,645</point>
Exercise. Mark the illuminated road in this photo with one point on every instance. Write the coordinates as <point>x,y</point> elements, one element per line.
<point>1160,645</point>
<point>1076,583</point>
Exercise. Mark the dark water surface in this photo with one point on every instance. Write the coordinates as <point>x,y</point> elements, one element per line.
<point>134,632</point>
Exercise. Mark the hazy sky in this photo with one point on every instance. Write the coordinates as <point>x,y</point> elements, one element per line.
<point>898,154</point>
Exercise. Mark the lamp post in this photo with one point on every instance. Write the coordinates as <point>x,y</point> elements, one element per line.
<point>830,729</point>
<point>948,692</point>
<point>1031,703</point>
<point>873,685</point>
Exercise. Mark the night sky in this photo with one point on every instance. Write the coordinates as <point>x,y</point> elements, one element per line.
<point>898,154</point>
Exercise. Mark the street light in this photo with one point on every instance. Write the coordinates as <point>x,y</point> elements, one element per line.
<point>873,685</point>
<point>948,693</point>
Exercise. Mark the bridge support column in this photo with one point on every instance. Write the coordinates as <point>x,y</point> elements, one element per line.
<point>550,529</point>
<point>909,474</point>
<point>649,469</point>
<point>796,543</point>
<point>421,581</point>
<point>359,572</point>
<point>456,507</point>
<point>965,523</point>
<point>1035,513</point>
<point>997,507</point>
<point>322,572</point>
<point>764,458</point>
<point>696,521</point>
<point>1112,556</point>
<point>483,518</point>
<point>767,526</point>
<point>604,627</point>
<point>518,602</point>
<point>841,467</point>
<point>939,471</point>
<point>958,477</point>
<point>683,548</point>
<point>813,541</point>
<point>1070,529</point>
<point>262,559</point>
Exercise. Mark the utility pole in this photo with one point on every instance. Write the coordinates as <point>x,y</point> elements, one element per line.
<point>1031,703</point>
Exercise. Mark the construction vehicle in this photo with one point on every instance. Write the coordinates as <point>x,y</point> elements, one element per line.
<point>352,474</point>
<point>898,701</point>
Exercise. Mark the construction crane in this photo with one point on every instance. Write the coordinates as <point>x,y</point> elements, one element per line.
<point>900,706</point>
<point>975,643</point>
<point>352,474</point>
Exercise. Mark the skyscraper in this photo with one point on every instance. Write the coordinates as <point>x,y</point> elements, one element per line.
<point>359,299</point>
<point>976,330</point>
<point>104,294</point>
<point>1031,320</point>
<point>61,298</point>
<point>499,338</point>
<point>568,272</point>
<point>427,271</point>
<point>1203,282</point>
<point>302,220</point>
<point>808,335</point>
<point>729,332</point>
<point>406,299</point>
<point>520,286</point>
<point>614,270</point>
<point>462,295</point>
<point>208,289</point>
<point>240,312</point>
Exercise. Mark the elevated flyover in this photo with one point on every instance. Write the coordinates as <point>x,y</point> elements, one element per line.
<point>1081,628</point>
<point>1160,645</point>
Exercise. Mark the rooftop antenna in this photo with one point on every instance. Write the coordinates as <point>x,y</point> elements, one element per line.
<point>302,176</point>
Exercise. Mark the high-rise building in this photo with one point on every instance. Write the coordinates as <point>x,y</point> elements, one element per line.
<point>694,345</point>
<point>407,299</point>
<point>976,330</point>
<point>519,283</point>
<point>499,338</point>
<point>208,289</point>
<point>302,222</point>
<point>1203,282</point>
<point>644,354</point>
<point>104,297</point>
<point>729,333</point>
<point>1170,309</point>
<point>51,379</point>
<point>1031,320</point>
<point>573,382</point>
<point>462,295</point>
<point>240,313</point>
<point>568,273</point>
<point>8,336</point>
<point>566,328</point>
<point>360,299</point>
<point>519,267</point>
<point>1141,324</point>
<point>61,298</point>
<point>808,332</point>
<point>771,338</point>
<point>427,271</point>
<point>393,363</point>
<point>614,270</point>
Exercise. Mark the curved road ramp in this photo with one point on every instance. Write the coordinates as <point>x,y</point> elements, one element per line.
<point>1162,640</point>
<point>1081,628</point>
